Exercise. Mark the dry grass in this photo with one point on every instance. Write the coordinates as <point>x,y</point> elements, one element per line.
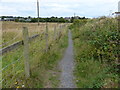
<point>13,30</point>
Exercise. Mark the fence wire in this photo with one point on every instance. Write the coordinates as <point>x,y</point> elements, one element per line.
<point>13,77</point>
<point>2,80</point>
<point>59,29</point>
<point>11,64</point>
<point>10,40</point>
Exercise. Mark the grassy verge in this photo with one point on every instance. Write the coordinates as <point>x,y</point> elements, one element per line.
<point>95,47</point>
<point>43,65</point>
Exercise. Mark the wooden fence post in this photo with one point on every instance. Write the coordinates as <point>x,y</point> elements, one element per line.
<point>59,30</point>
<point>55,33</point>
<point>46,36</point>
<point>61,27</point>
<point>26,52</point>
<point>1,55</point>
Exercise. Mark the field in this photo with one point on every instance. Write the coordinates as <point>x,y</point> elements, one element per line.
<point>43,67</point>
<point>12,31</point>
<point>96,52</point>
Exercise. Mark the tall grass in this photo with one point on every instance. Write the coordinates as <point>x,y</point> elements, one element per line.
<point>12,31</point>
<point>96,49</point>
<point>40,63</point>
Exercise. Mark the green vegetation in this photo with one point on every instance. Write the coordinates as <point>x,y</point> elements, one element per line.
<point>96,51</point>
<point>48,19</point>
<point>43,66</point>
<point>51,19</point>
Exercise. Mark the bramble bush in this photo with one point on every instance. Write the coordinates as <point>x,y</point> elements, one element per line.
<point>96,52</point>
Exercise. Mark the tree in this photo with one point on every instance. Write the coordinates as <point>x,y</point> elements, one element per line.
<point>72,20</point>
<point>16,20</point>
<point>29,17</point>
<point>2,17</point>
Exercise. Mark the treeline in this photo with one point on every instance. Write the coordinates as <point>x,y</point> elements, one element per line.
<point>51,19</point>
<point>48,19</point>
<point>56,19</point>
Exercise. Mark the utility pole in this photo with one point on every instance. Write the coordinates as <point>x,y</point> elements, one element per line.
<point>38,11</point>
<point>110,13</point>
<point>119,6</point>
<point>74,15</point>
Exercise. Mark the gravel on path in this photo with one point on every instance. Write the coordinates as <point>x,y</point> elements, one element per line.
<point>67,66</point>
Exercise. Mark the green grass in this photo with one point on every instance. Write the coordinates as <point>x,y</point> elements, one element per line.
<point>41,63</point>
<point>95,47</point>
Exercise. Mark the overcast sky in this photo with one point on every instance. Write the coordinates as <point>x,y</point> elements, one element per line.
<point>65,8</point>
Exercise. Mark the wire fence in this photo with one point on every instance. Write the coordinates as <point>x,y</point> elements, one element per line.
<point>10,40</point>
<point>11,64</point>
<point>9,82</point>
<point>6,82</point>
<point>2,81</point>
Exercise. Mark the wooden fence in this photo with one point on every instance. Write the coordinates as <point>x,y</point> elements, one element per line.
<point>25,43</point>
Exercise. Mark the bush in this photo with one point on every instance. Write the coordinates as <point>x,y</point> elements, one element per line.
<point>96,50</point>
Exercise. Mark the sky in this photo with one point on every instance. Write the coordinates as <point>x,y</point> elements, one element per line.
<point>59,8</point>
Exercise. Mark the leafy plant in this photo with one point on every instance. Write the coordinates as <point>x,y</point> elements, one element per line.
<point>96,50</point>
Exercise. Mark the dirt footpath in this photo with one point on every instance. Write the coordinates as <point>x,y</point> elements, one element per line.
<point>67,66</point>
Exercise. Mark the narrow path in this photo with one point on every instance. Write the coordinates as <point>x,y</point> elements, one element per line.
<point>67,66</point>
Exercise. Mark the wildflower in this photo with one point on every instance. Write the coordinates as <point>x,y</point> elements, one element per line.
<point>16,82</point>
<point>114,45</point>
<point>23,85</point>
<point>18,86</point>
<point>82,70</point>
<point>77,80</point>
<point>98,51</point>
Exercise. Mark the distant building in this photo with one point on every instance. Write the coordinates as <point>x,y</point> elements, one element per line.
<point>117,14</point>
<point>77,17</point>
<point>25,19</point>
<point>67,18</point>
<point>8,19</point>
<point>28,20</point>
<point>21,19</point>
<point>1,19</point>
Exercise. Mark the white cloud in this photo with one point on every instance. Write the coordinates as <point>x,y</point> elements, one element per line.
<point>89,8</point>
<point>18,0</point>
